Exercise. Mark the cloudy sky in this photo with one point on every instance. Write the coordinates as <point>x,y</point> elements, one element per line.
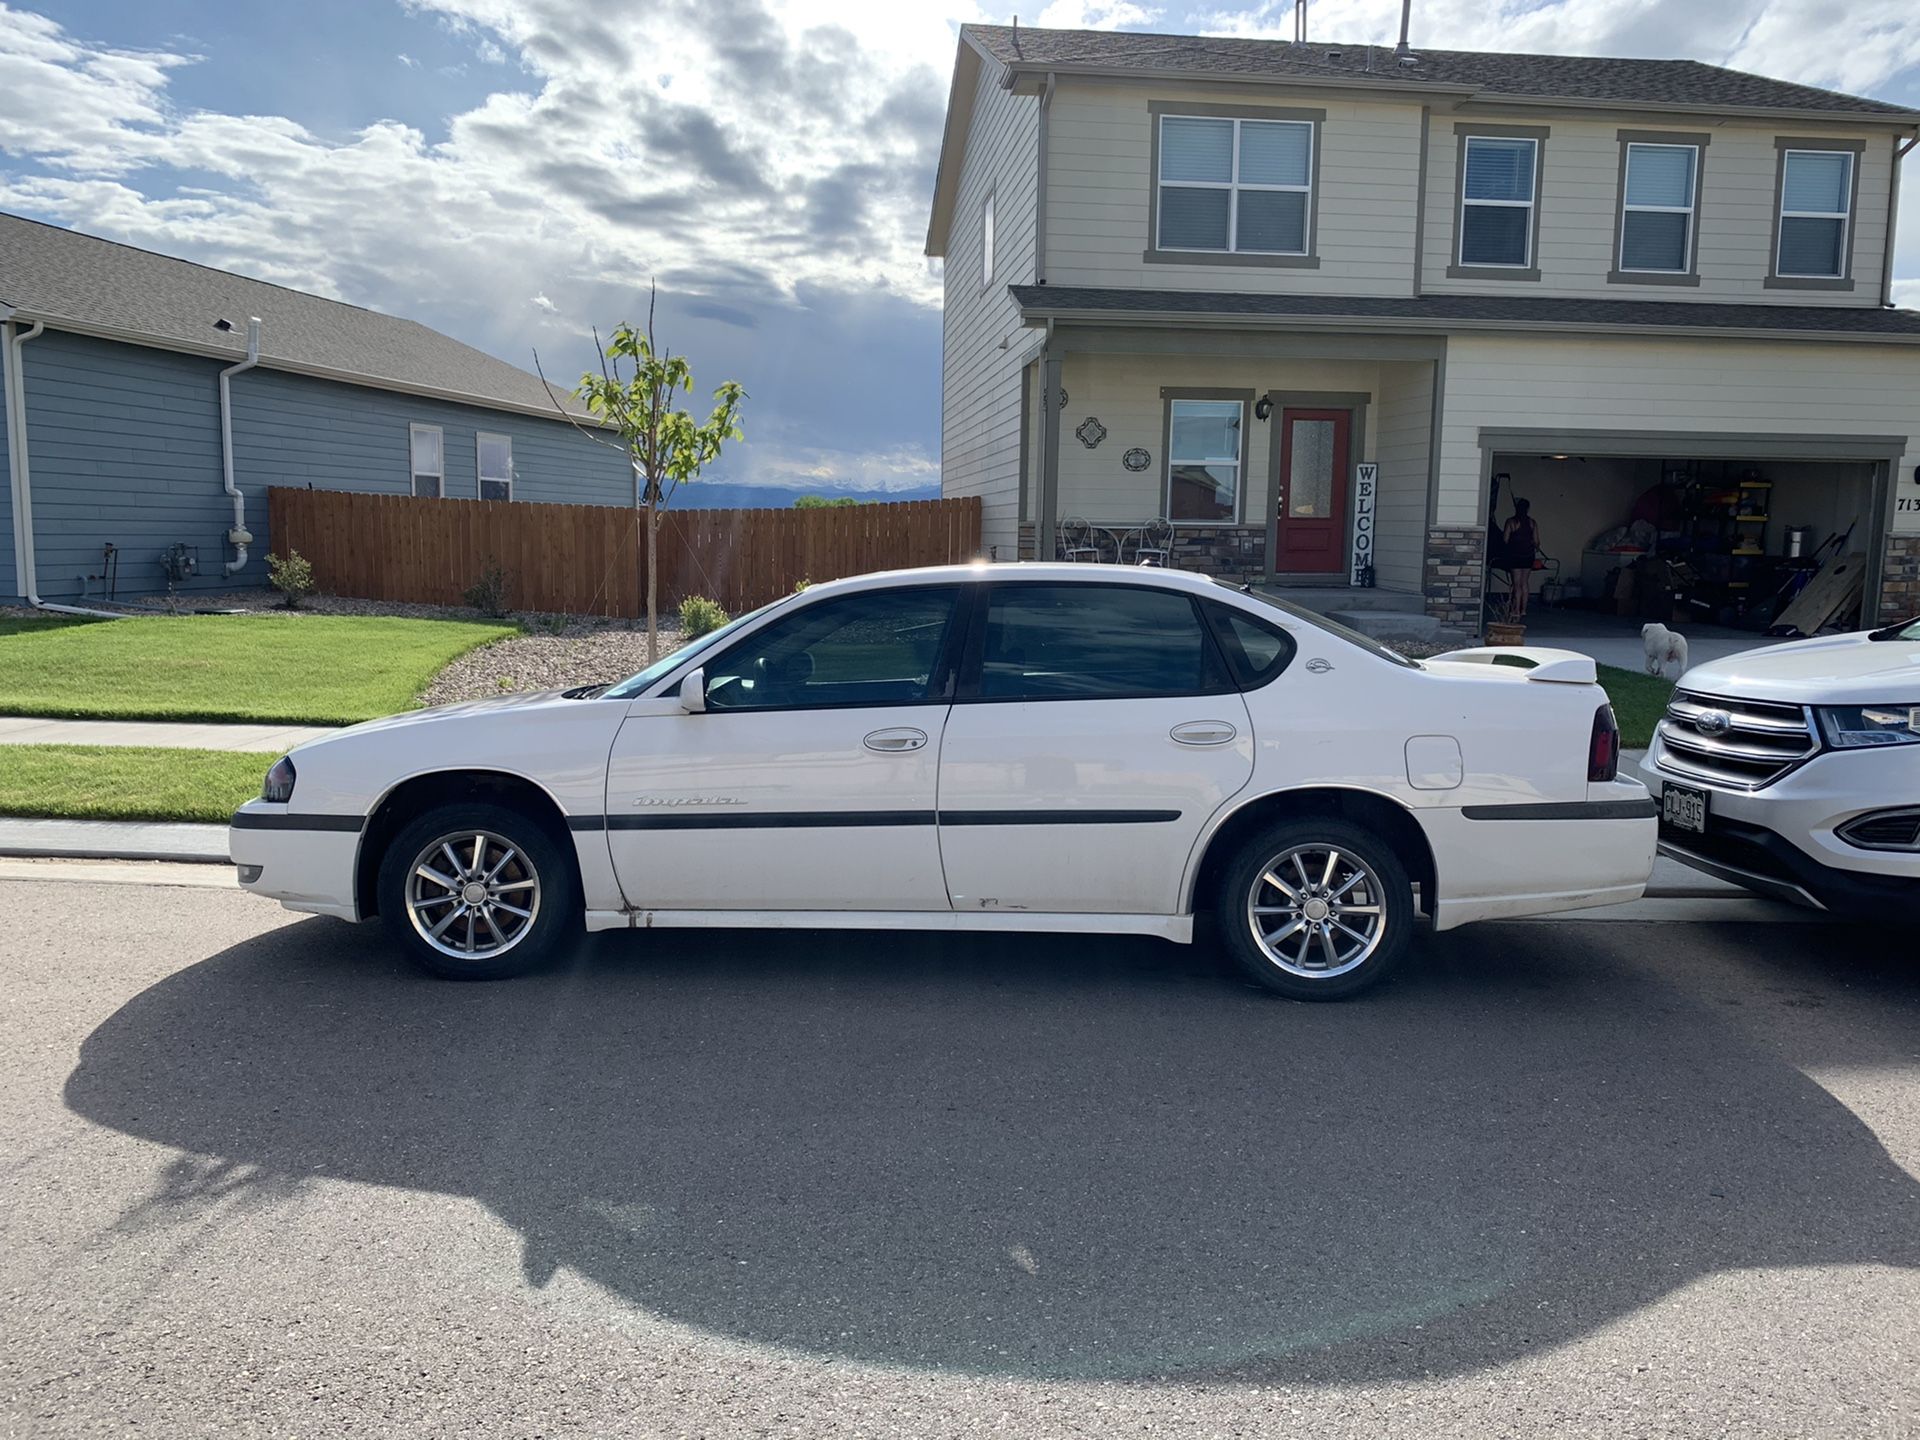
<point>514,171</point>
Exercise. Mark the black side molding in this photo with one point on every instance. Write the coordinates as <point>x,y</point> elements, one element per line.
<point>841,819</point>
<point>1568,810</point>
<point>256,820</point>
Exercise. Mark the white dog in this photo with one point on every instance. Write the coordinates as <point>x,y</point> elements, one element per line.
<point>1664,647</point>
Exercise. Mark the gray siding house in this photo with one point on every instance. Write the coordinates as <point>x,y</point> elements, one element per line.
<point>1329,309</point>
<point>114,358</point>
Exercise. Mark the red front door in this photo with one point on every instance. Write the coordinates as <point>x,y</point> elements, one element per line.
<point>1311,503</point>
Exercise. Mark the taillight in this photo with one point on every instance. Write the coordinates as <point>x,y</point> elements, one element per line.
<point>1603,750</point>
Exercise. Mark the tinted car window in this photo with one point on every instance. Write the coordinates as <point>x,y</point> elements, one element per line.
<point>1255,650</point>
<point>1094,642</point>
<point>877,648</point>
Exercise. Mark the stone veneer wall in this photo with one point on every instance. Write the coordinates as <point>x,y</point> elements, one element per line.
<point>1899,580</point>
<point>1456,575</point>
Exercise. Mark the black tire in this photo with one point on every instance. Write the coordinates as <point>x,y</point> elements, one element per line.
<point>1279,846</point>
<point>525,943</point>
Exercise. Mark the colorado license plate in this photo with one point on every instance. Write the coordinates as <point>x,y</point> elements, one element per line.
<point>1683,809</point>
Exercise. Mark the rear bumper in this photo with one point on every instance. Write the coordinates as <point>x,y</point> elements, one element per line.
<point>1495,862</point>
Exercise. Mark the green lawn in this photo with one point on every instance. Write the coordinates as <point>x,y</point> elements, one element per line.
<point>1638,703</point>
<point>299,669</point>
<point>124,782</point>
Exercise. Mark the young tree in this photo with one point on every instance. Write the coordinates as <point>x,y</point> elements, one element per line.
<point>637,392</point>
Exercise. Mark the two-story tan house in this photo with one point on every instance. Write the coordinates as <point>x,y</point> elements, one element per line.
<point>1325,306</point>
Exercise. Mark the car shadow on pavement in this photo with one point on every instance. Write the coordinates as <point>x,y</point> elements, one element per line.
<point>1054,1156</point>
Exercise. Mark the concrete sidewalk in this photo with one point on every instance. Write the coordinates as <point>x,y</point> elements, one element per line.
<point>166,734</point>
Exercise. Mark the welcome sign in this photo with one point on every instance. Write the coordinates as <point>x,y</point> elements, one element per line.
<point>1366,488</point>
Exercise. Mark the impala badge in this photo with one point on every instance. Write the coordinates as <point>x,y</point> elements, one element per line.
<point>1317,666</point>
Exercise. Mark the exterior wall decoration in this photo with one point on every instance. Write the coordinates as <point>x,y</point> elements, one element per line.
<point>1136,459</point>
<point>1091,432</point>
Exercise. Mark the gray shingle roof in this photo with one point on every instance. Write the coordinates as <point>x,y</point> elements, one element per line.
<point>56,274</point>
<point>1439,311</point>
<point>1561,77</point>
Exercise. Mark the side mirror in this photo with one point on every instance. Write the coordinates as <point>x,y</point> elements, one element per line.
<point>693,692</point>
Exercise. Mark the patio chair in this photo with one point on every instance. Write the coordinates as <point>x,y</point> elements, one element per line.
<point>1155,546</point>
<point>1077,541</point>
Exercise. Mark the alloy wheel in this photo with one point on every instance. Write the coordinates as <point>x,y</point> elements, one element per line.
<point>472,895</point>
<point>1317,911</point>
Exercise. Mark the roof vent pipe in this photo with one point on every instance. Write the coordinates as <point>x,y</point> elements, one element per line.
<point>238,537</point>
<point>1402,52</point>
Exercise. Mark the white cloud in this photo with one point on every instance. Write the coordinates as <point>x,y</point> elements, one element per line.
<point>1097,15</point>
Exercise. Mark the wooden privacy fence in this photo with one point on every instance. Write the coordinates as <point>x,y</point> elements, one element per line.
<point>591,559</point>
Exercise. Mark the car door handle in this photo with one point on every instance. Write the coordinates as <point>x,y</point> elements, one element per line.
<point>889,741</point>
<point>1203,732</point>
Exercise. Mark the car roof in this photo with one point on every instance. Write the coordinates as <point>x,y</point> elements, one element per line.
<point>1149,576</point>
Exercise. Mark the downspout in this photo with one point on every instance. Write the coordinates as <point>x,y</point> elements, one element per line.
<point>1040,182</point>
<point>20,475</point>
<point>1900,153</point>
<point>237,536</point>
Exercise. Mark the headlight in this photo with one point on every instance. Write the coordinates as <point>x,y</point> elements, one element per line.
<point>1854,727</point>
<point>278,786</point>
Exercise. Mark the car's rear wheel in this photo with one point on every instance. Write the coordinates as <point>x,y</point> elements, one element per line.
<point>1316,908</point>
<point>477,892</point>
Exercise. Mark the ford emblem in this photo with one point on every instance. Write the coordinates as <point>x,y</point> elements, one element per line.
<point>1713,723</point>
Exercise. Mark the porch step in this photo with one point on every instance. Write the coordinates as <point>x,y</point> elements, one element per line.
<point>1388,626</point>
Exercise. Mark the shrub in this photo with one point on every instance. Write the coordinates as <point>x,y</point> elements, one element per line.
<point>802,587</point>
<point>488,594</point>
<point>292,576</point>
<point>698,615</point>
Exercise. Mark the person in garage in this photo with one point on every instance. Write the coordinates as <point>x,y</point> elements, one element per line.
<point>1521,543</point>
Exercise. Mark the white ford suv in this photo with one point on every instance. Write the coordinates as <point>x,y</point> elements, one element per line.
<point>1795,771</point>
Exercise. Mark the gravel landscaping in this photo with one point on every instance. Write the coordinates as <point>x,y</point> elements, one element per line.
<point>545,662</point>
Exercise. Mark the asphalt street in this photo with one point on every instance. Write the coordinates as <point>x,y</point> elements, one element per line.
<point>258,1177</point>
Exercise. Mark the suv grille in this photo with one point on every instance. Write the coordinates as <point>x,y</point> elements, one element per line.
<point>1760,742</point>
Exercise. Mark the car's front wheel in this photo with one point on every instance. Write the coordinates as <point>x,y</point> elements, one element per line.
<point>477,892</point>
<point>1316,909</point>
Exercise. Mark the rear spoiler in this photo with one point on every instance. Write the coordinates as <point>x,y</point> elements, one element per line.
<point>1566,667</point>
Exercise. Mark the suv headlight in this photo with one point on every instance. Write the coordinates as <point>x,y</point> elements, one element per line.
<point>278,786</point>
<point>1856,727</point>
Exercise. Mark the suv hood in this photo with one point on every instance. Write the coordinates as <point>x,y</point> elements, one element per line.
<point>1834,670</point>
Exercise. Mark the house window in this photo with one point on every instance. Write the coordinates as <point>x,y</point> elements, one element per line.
<point>1657,208</point>
<point>494,461</point>
<point>429,453</point>
<point>986,242</point>
<point>1204,453</point>
<point>1816,210</point>
<point>1235,186</point>
<point>1499,177</point>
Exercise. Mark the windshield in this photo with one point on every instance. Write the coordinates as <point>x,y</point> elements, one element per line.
<point>1901,630</point>
<point>1321,622</point>
<point>627,689</point>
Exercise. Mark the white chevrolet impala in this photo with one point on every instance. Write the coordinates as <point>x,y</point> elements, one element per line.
<point>1075,748</point>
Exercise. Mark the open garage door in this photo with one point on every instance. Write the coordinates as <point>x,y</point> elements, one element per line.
<point>1723,539</point>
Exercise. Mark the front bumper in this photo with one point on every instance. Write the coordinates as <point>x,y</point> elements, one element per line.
<point>306,862</point>
<point>1782,840</point>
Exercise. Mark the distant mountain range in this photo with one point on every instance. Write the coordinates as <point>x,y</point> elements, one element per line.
<point>716,495</point>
